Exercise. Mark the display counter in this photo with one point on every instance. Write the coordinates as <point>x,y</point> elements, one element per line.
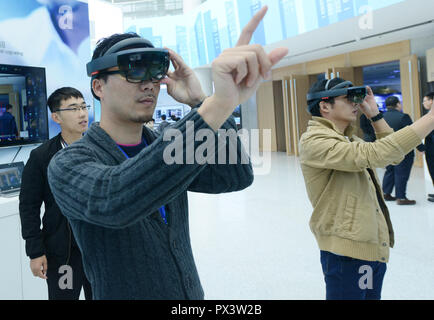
<point>16,281</point>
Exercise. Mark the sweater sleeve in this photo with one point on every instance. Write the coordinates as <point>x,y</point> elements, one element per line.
<point>231,168</point>
<point>116,196</point>
<point>322,150</point>
<point>406,121</point>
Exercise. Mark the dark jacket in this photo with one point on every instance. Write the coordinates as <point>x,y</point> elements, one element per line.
<point>398,120</point>
<point>55,238</point>
<point>163,125</point>
<point>429,144</point>
<point>112,205</point>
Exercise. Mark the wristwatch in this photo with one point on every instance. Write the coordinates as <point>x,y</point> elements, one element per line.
<point>198,105</point>
<point>377,117</point>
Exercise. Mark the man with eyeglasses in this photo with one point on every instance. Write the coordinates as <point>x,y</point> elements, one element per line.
<point>54,246</point>
<point>127,205</point>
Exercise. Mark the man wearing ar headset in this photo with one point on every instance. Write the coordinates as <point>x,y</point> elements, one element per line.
<point>350,220</point>
<point>128,208</point>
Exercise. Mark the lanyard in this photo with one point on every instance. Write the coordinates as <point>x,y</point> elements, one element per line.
<point>63,143</point>
<point>162,209</point>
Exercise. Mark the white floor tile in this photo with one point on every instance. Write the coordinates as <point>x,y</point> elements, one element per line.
<point>256,244</point>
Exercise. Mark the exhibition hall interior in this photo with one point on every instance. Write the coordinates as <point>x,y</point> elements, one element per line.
<point>257,243</point>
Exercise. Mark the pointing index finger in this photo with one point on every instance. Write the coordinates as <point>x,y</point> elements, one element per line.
<point>246,34</point>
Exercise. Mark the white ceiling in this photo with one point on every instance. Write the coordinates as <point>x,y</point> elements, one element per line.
<point>407,20</point>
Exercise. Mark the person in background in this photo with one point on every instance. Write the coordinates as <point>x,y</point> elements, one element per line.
<point>174,117</point>
<point>163,124</point>
<point>350,219</point>
<point>8,125</point>
<point>397,176</point>
<point>428,104</point>
<point>54,246</point>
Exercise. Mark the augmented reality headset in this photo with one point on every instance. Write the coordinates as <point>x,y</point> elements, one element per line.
<point>353,94</point>
<point>142,63</point>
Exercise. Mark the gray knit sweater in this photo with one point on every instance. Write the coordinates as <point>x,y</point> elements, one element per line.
<point>112,205</point>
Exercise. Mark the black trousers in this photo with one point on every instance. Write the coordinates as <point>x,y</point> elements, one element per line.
<point>397,176</point>
<point>429,156</point>
<point>66,281</point>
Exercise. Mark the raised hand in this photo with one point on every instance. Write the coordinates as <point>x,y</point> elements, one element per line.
<point>182,83</point>
<point>369,106</point>
<point>237,72</point>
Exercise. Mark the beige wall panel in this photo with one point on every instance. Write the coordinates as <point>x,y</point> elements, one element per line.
<point>320,66</point>
<point>281,73</point>
<point>430,64</point>
<point>289,131</point>
<point>279,116</point>
<point>299,85</point>
<point>358,76</point>
<point>386,53</point>
<point>344,73</point>
<point>266,117</point>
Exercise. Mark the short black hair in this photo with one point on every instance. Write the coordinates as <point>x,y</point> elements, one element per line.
<point>9,106</point>
<point>313,105</point>
<point>429,95</point>
<point>391,102</point>
<point>55,99</point>
<point>163,117</point>
<point>104,44</point>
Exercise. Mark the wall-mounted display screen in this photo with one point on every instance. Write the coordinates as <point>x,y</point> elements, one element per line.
<point>23,105</point>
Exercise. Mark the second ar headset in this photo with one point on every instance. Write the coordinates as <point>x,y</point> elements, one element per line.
<point>353,94</point>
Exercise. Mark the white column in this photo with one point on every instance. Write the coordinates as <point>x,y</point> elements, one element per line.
<point>249,113</point>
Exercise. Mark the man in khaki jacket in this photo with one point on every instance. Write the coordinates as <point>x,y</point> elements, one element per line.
<point>350,219</point>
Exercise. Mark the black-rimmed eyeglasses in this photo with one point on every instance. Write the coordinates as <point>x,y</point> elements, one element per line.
<point>76,109</point>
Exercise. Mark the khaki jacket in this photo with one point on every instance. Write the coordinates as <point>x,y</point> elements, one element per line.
<point>349,216</point>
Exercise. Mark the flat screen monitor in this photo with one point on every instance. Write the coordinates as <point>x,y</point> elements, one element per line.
<point>10,176</point>
<point>23,105</point>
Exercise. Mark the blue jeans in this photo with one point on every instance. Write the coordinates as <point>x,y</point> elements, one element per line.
<point>352,279</point>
